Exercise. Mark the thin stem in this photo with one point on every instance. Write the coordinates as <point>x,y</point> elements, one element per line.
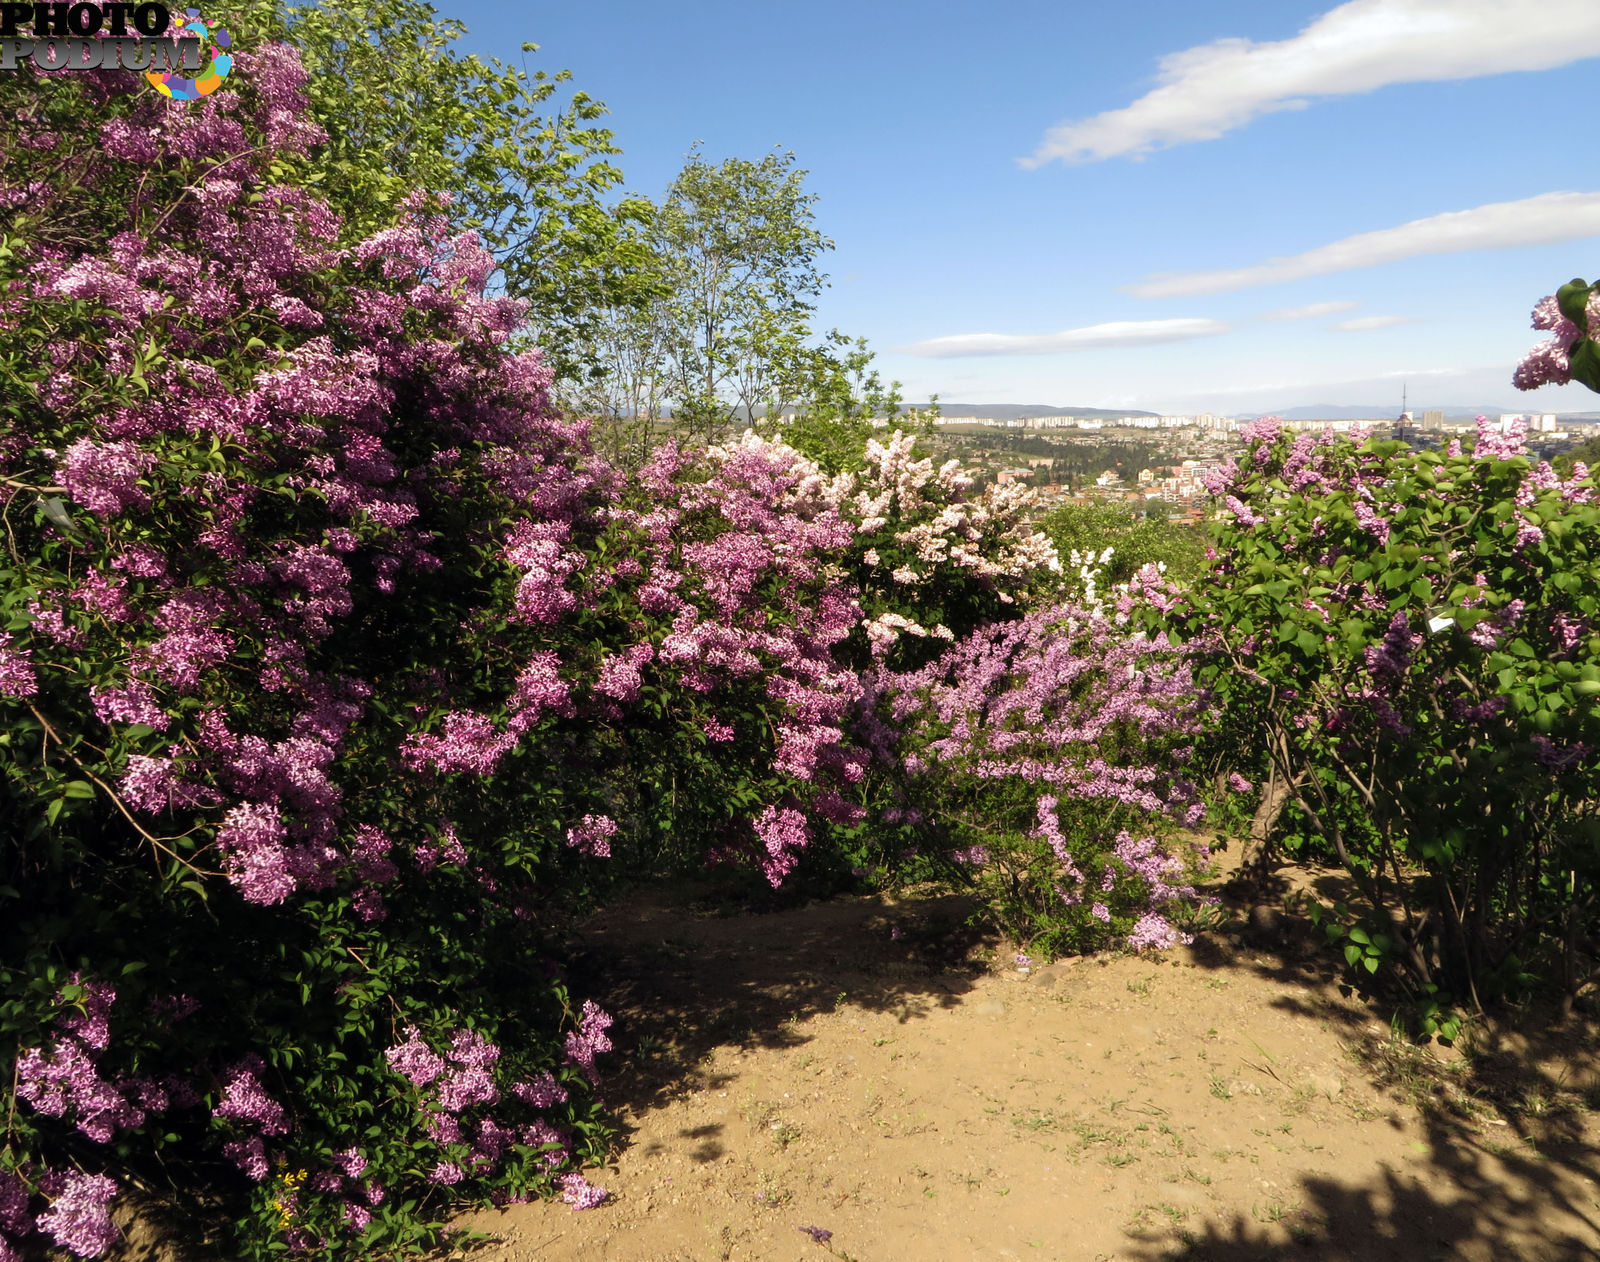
<point>116,800</point>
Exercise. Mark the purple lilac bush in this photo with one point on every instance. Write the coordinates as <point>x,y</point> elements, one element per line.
<point>335,667</point>
<point>1032,751</point>
<point>335,664</point>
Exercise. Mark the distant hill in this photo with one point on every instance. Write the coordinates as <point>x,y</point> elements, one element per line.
<point>1012,411</point>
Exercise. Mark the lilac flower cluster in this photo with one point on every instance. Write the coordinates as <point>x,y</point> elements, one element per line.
<point>1041,701</point>
<point>65,1080</point>
<point>245,1100</point>
<point>1549,362</point>
<point>579,1193</point>
<point>461,1081</point>
<point>79,1217</point>
<point>592,835</point>
<point>589,1040</point>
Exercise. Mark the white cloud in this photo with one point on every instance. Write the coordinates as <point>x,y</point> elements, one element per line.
<point>1213,88</point>
<point>1363,323</point>
<point>1093,337</point>
<point>1312,311</point>
<point>1539,220</point>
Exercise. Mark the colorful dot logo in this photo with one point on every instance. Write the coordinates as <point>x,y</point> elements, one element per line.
<point>210,76</point>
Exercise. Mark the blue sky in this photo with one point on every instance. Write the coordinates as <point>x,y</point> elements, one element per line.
<point>1167,206</point>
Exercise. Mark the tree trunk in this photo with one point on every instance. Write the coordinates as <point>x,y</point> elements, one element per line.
<point>1275,795</point>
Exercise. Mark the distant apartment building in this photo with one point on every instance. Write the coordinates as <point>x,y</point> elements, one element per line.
<point>1433,418</point>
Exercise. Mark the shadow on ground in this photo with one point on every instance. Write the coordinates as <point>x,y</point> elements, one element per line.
<point>1473,1203</point>
<point>1506,1118</point>
<point>682,978</point>
<point>1507,1163</point>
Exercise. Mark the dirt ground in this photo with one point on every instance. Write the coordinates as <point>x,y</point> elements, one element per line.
<point>863,1078</point>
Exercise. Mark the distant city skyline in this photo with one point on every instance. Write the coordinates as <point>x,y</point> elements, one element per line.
<point>1157,206</point>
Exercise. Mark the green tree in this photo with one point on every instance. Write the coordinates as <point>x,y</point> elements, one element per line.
<point>739,253</point>
<point>1137,540</point>
<point>714,326</point>
<point>524,156</point>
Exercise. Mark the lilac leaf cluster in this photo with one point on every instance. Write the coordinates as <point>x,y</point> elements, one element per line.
<point>1404,643</point>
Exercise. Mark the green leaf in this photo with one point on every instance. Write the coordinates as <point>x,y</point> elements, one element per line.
<point>1573,300</point>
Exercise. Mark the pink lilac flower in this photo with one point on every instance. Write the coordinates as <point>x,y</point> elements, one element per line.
<point>351,1162</point>
<point>1568,631</point>
<point>52,623</point>
<point>447,1173</point>
<point>104,477</point>
<point>470,743</point>
<point>1547,364</point>
<point>579,1193</point>
<point>1390,658</point>
<point>249,1155</point>
<point>1238,783</point>
<point>1557,757</point>
<point>14,1216</point>
<point>414,1060</point>
<point>132,703</point>
<point>256,860</point>
<point>489,1145</point>
<point>67,1080</point>
<point>469,1048</point>
<point>469,1079</point>
<point>541,1091</point>
<point>592,835</point>
<point>1528,534</point>
<point>103,596</point>
<point>92,1025</point>
<point>1243,514</point>
<point>539,689</point>
<point>783,833</point>
<point>1050,830</point>
<point>1154,931</point>
<point>443,1128</point>
<point>1143,857</point>
<point>245,1100</point>
<point>79,1217</point>
<point>370,849</point>
<point>1101,912</point>
<point>589,1039</point>
<point>1495,443</point>
<point>619,674</point>
<point>1372,522</point>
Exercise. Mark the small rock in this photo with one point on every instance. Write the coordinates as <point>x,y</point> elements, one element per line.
<point>1329,1085</point>
<point>1264,924</point>
<point>990,1008</point>
<point>1049,975</point>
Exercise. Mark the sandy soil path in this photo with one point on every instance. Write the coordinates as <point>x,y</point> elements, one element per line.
<point>863,1079</point>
